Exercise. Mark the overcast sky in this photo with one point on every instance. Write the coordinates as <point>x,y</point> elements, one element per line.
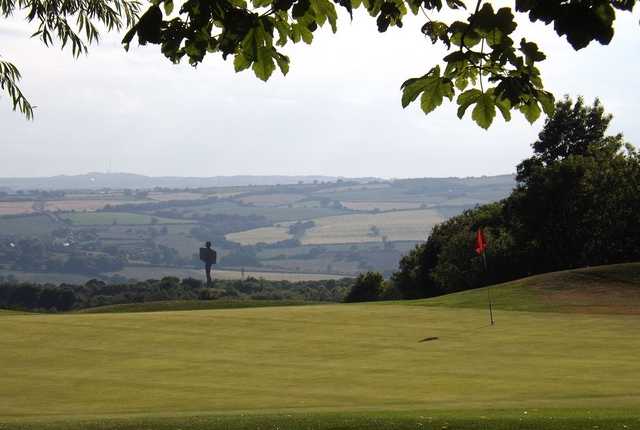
<point>337,113</point>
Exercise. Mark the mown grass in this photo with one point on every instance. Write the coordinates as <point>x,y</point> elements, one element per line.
<point>329,358</point>
<point>190,305</point>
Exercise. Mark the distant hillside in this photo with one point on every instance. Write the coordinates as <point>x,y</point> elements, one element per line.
<point>96,181</point>
<point>613,289</point>
<point>91,181</point>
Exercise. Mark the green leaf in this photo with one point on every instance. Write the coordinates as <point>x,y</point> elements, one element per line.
<point>459,29</point>
<point>168,7</point>
<point>461,82</point>
<point>435,90</point>
<point>485,111</point>
<point>547,101</point>
<point>504,106</point>
<point>306,34</point>
<point>283,31</point>
<point>264,65</point>
<point>531,111</point>
<point>283,63</point>
<point>240,62</point>
<point>412,88</point>
<point>466,99</point>
<point>327,10</point>
<point>531,52</point>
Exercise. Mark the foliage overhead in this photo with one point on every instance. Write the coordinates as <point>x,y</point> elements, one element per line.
<point>74,23</point>
<point>484,68</point>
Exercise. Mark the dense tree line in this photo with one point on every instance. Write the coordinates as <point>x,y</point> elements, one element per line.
<point>576,204</point>
<point>64,297</point>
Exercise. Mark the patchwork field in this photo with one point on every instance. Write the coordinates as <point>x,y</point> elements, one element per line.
<point>396,226</point>
<point>381,206</point>
<point>274,214</point>
<point>88,205</point>
<point>270,200</point>
<point>427,364</point>
<point>28,225</point>
<point>16,208</point>
<point>107,218</point>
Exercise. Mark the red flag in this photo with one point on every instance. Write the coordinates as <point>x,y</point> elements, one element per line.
<point>481,242</point>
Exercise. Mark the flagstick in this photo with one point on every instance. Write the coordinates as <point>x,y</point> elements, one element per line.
<point>484,260</point>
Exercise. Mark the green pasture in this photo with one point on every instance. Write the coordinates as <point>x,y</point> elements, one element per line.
<point>44,278</point>
<point>274,214</point>
<point>27,225</point>
<point>109,218</point>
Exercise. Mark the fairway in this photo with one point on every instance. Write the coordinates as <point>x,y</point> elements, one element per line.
<point>313,359</point>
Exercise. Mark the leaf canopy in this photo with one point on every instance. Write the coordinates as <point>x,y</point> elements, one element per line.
<point>483,65</point>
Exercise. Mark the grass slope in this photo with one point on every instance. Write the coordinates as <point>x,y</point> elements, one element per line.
<point>613,289</point>
<point>190,305</point>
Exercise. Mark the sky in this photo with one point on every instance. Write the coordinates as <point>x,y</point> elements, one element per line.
<point>336,113</point>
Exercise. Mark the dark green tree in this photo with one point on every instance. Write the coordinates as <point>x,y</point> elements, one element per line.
<point>366,288</point>
<point>574,129</point>
<point>575,196</point>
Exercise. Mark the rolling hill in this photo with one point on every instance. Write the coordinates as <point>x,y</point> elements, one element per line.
<point>613,289</point>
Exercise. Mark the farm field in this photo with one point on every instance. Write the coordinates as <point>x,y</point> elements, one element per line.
<point>28,225</point>
<point>330,366</point>
<point>381,206</point>
<point>72,232</point>
<point>16,208</point>
<point>271,200</point>
<point>45,278</point>
<point>107,218</point>
<point>88,205</point>
<point>173,196</point>
<point>396,226</point>
<point>274,214</point>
